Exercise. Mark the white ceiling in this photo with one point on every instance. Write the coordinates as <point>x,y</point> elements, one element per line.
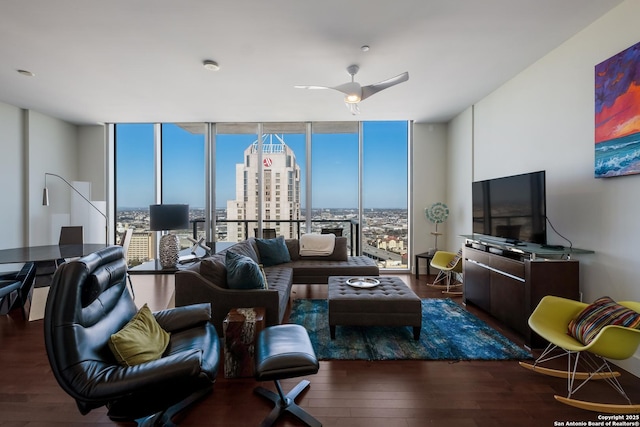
<point>141,60</point>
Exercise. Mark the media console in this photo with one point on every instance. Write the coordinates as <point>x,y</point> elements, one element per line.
<point>509,281</point>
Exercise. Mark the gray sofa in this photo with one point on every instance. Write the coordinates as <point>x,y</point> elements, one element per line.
<point>206,281</point>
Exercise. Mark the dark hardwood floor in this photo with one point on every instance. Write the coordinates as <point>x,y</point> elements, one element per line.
<point>342,394</point>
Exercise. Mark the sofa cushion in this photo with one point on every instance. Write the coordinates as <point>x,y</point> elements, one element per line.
<point>273,251</point>
<point>293,245</point>
<point>243,272</point>
<point>214,269</point>
<point>602,312</point>
<point>246,248</point>
<point>140,340</point>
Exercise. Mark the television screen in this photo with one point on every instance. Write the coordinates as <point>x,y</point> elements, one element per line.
<point>512,208</point>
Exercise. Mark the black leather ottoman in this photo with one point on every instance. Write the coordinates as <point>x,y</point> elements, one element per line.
<point>285,351</point>
<point>391,303</point>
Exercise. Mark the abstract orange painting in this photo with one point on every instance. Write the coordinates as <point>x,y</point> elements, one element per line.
<point>617,114</point>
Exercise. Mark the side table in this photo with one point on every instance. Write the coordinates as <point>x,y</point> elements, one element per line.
<point>241,328</point>
<point>154,267</point>
<point>426,255</point>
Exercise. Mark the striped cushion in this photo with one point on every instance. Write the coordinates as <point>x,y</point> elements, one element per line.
<point>602,312</point>
<point>455,259</point>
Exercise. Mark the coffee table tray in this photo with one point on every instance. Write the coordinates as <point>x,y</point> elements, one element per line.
<point>363,282</point>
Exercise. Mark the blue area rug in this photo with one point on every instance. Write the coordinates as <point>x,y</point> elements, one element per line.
<point>448,333</point>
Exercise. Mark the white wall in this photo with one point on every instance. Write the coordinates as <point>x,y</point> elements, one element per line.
<point>458,179</point>
<point>429,169</point>
<point>53,148</point>
<point>543,119</point>
<point>12,190</point>
<point>30,145</point>
<point>91,157</point>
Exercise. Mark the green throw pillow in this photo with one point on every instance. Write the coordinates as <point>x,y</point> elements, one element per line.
<point>273,251</point>
<point>139,341</point>
<point>243,272</point>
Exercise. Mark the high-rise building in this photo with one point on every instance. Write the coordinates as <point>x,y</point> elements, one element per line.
<point>140,248</point>
<point>280,193</point>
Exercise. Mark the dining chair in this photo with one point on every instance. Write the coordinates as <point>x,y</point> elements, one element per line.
<point>70,235</point>
<point>267,233</point>
<point>125,240</point>
<point>336,231</point>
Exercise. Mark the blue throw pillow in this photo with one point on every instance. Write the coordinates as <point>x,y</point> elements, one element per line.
<point>273,251</point>
<point>243,272</point>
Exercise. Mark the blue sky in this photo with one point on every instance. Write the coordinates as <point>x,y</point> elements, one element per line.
<point>334,166</point>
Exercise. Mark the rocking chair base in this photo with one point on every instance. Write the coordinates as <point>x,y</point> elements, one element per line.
<point>607,408</point>
<point>564,374</point>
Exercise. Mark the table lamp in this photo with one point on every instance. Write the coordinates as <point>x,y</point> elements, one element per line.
<point>166,218</point>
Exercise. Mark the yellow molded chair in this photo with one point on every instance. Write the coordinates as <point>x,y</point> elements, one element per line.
<point>550,320</point>
<point>450,265</point>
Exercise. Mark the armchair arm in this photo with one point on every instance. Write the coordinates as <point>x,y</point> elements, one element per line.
<point>178,318</point>
<point>102,382</point>
<point>192,288</point>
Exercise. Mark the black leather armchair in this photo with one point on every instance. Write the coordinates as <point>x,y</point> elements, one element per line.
<point>88,301</point>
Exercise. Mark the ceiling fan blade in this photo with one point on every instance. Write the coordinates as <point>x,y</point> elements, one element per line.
<point>311,87</point>
<point>351,88</point>
<point>369,90</point>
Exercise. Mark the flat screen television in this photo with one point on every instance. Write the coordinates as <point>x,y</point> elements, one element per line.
<point>511,208</point>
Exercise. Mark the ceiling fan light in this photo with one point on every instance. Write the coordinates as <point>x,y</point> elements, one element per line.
<point>352,98</point>
<point>210,65</point>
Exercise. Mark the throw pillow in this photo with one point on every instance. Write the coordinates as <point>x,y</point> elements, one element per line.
<point>141,340</point>
<point>455,259</point>
<point>264,276</point>
<point>243,272</point>
<point>602,312</point>
<point>273,251</point>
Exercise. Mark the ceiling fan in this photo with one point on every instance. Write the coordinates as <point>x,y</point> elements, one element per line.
<point>354,93</point>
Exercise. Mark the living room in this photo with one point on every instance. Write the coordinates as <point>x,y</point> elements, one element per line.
<point>541,119</point>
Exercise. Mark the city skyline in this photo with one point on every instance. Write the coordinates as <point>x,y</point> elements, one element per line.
<point>384,232</point>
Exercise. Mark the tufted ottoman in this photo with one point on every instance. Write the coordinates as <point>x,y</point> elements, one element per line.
<point>391,303</point>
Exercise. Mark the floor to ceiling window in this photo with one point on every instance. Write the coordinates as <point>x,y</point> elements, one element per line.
<point>385,186</point>
<point>262,181</point>
<point>181,173</point>
<point>259,179</point>
<point>235,191</point>
<point>334,176</point>
<point>135,186</point>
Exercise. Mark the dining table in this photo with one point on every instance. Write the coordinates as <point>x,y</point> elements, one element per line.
<point>47,252</point>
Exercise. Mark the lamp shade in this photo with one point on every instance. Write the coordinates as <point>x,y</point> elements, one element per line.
<point>168,217</point>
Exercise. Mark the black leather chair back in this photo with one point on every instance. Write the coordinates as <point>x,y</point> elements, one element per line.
<point>88,301</point>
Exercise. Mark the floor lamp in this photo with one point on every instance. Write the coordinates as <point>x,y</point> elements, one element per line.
<point>45,202</point>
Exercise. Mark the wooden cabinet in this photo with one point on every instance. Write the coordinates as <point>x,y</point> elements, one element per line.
<point>510,285</point>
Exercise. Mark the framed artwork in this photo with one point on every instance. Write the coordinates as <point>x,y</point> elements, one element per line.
<point>617,114</point>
